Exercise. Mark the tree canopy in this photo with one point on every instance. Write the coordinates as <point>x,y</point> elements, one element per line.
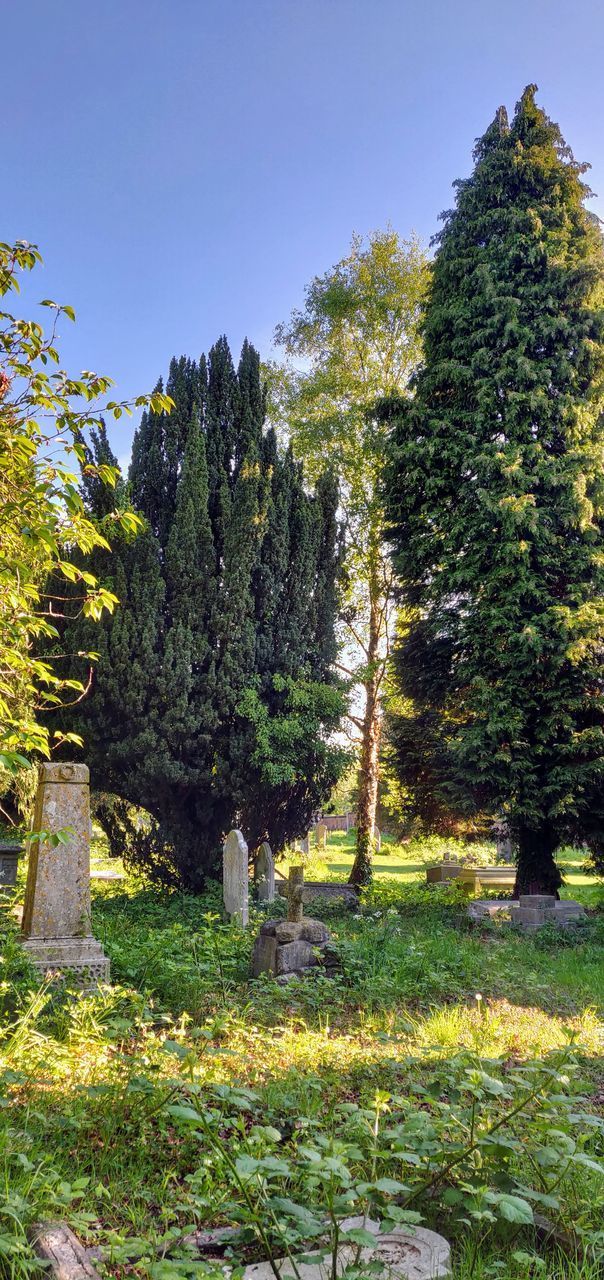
<point>45,417</point>
<point>495,496</point>
<point>214,698</point>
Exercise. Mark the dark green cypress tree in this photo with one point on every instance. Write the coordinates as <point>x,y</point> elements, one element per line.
<point>495,496</point>
<point>209,705</point>
<point>330,553</point>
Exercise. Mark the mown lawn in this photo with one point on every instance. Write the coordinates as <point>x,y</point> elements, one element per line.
<point>432,1077</point>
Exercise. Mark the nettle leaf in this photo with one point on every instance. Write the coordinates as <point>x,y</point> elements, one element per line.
<point>246,1166</point>
<point>587,1163</point>
<point>359,1235</point>
<point>187,1114</point>
<point>491,1085</point>
<point>529,1260</point>
<point>298,1211</point>
<point>513,1209</point>
<point>273,1165</point>
<point>389,1186</point>
<point>179,1050</point>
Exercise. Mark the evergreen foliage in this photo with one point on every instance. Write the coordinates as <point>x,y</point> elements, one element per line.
<point>214,697</point>
<point>495,496</point>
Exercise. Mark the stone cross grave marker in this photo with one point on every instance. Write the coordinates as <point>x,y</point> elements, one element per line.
<point>264,873</point>
<point>235,877</point>
<point>56,929</point>
<point>295,894</point>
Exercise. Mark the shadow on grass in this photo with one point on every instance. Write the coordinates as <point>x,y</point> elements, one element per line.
<point>391,868</point>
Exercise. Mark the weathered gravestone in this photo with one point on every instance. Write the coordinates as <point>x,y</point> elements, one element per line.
<point>500,833</point>
<point>56,929</point>
<point>296,945</point>
<point>321,836</point>
<point>10,852</point>
<point>305,845</point>
<point>264,873</point>
<point>235,877</point>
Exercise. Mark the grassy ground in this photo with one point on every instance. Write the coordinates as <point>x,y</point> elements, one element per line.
<point>433,1077</point>
<point>406,863</point>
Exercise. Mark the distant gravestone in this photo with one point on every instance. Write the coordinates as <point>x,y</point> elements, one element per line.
<point>10,852</point>
<point>264,873</point>
<point>235,877</point>
<point>305,845</point>
<point>321,836</point>
<point>56,930</point>
<point>377,839</point>
<point>503,843</point>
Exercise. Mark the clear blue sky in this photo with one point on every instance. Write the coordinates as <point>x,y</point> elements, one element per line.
<point>186,166</point>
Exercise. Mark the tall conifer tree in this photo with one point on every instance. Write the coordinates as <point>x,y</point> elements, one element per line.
<point>212,703</point>
<point>495,498</point>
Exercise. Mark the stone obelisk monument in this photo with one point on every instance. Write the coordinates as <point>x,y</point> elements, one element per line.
<point>56,931</point>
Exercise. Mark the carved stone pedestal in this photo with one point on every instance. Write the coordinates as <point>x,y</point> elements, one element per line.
<point>85,956</point>
<point>56,930</point>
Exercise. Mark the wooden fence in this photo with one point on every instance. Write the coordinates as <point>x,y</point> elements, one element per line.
<point>338,821</point>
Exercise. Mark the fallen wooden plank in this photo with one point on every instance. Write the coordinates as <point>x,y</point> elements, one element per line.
<point>56,1245</point>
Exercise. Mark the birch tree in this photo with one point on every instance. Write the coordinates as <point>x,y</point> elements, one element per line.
<point>354,341</point>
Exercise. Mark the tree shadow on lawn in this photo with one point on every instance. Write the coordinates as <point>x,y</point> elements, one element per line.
<point>390,868</point>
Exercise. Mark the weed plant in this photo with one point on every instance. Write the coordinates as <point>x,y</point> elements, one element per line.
<point>450,1074</point>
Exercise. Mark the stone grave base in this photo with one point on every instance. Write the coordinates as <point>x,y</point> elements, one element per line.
<point>531,911</point>
<point>481,908</point>
<point>407,1254</point>
<point>84,956</point>
<point>284,948</point>
<point>324,889</point>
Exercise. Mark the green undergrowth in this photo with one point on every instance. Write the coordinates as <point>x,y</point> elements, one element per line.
<point>450,1074</point>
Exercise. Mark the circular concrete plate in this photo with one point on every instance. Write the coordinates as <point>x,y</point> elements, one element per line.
<point>406,1254</point>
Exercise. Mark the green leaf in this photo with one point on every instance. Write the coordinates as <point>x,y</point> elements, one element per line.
<point>389,1186</point>
<point>513,1209</point>
<point>179,1112</point>
<point>359,1235</point>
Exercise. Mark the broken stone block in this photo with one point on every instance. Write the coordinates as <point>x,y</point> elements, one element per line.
<point>293,956</point>
<point>269,927</point>
<point>264,955</point>
<point>529,918</point>
<point>287,931</point>
<point>314,931</point>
